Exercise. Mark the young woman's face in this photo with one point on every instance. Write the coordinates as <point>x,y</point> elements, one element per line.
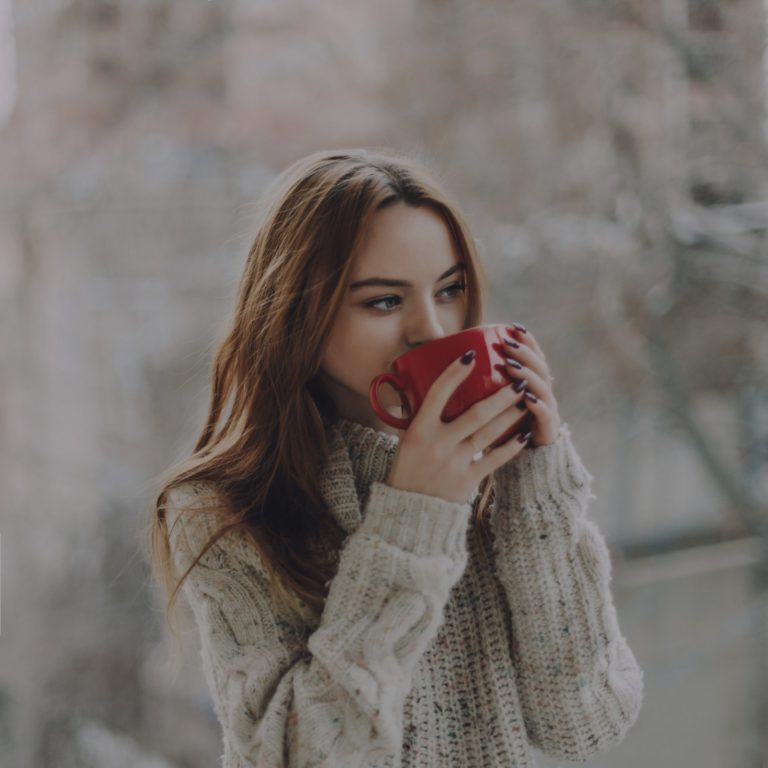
<point>411,247</point>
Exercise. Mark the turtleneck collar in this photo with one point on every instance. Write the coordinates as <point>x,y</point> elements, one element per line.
<point>358,456</point>
<point>370,451</point>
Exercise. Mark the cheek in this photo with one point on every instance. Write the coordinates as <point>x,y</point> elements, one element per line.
<point>355,349</point>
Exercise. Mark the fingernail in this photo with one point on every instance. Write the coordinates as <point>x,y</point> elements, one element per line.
<point>520,385</point>
<point>513,363</point>
<point>512,343</point>
<point>532,397</point>
<point>520,328</point>
<point>468,356</point>
<point>524,438</point>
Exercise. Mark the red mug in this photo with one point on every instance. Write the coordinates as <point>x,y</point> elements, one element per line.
<point>416,370</point>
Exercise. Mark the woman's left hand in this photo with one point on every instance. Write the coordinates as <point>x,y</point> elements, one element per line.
<point>521,347</point>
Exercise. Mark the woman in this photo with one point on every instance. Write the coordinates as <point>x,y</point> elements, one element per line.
<point>370,597</point>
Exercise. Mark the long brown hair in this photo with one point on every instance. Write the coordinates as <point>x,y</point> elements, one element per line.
<point>263,445</point>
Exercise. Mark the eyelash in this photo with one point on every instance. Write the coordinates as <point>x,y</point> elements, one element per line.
<point>372,304</point>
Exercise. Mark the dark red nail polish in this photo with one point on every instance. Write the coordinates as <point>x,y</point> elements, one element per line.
<point>524,438</point>
<point>468,356</point>
<point>521,385</point>
<point>513,363</point>
<point>532,397</point>
<point>512,343</point>
<point>520,328</point>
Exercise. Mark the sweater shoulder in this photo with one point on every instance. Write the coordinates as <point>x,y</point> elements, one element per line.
<point>194,515</point>
<point>232,573</point>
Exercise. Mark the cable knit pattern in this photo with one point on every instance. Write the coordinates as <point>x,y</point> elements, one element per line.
<point>579,683</point>
<point>433,648</point>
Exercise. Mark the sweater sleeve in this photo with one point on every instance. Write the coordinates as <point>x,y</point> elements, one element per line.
<point>336,698</point>
<point>579,683</point>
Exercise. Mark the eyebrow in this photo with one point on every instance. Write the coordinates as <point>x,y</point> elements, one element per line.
<point>393,283</point>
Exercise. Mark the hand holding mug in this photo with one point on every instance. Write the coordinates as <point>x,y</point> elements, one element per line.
<point>525,360</point>
<point>437,458</point>
<point>421,376</point>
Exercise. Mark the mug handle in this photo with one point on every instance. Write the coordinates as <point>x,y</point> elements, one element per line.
<point>373,396</point>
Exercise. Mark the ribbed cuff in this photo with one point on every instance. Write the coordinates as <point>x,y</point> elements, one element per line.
<point>547,471</point>
<point>416,522</point>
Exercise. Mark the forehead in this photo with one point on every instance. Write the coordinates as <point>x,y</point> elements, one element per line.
<point>403,236</point>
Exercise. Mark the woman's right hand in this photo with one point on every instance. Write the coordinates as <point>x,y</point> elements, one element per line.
<point>436,458</point>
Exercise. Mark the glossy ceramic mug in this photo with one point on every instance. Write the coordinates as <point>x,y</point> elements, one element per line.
<point>415,371</point>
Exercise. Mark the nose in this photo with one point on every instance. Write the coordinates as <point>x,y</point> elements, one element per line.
<point>423,326</point>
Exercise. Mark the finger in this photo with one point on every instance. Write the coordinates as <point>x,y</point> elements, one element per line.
<point>543,414</point>
<point>484,437</point>
<point>540,387</point>
<point>442,388</point>
<point>526,356</point>
<point>526,337</point>
<point>497,457</point>
<point>483,412</point>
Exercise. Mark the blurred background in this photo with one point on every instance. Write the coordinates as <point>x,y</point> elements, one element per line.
<point>610,156</point>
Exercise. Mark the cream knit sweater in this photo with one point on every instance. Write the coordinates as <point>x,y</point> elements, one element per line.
<point>431,650</point>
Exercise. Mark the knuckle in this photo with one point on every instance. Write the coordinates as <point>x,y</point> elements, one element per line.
<point>474,443</point>
<point>483,410</point>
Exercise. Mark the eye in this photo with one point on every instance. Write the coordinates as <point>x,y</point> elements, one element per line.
<point>458,287</point>
<point>455,288</point>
